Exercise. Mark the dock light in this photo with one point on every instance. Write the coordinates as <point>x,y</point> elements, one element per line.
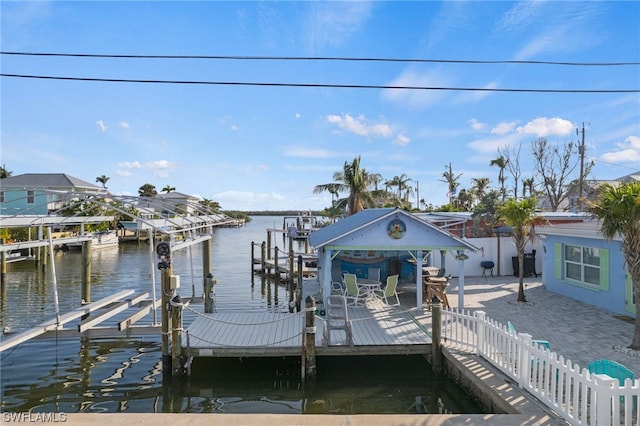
<point>164,254</point>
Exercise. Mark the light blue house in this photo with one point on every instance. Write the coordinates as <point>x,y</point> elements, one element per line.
<point>578,262</point>
<point>390,239</point>
<point>41,193</point>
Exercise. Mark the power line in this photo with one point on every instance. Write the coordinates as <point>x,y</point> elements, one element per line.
<point>322,58</point>
<point>318,85</point>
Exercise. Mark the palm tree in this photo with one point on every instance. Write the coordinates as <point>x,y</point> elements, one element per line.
<point>479,187</point>
<point>103,180</point>
<point>351,179</point>
<point>4,173</point>
<point>147,190</point>
<point>501,162</point>
<point>451,180</point>
<point>528,183</point>
<point>168,189</point>
<point>520,216</point>
<point>618,209</point>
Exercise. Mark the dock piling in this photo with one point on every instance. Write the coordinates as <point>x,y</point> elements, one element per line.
<point>436,335</point>
<point>209,294</point>
<point>309,349</point>
<point>86,272</point>
<point>177,361</point>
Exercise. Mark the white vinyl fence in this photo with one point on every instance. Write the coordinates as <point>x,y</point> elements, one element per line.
<point>578,396</point>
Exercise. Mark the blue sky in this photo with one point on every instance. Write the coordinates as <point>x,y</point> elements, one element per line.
<point>265,148</point>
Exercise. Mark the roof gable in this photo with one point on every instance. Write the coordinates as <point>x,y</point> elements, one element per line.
<point>45,180</point>
<point>386,229</point>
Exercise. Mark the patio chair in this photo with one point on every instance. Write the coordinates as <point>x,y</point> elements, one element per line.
<point>351,290</point>
<point>543,343</point>
<point>615,370</point>
<point>610,368</point>
<point>373,274</point>
<point>389,290</point>
<point>337,319</point>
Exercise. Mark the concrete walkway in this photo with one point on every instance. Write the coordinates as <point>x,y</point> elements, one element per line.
<point>578,331</point>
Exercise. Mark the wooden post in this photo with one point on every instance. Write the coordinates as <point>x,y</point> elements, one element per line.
<point>436,334</point>
<point>276,272</point>
<point>268,245</point>
<point>176,336</point>
<point>309,333</point>
<point>209,290</point>
<point>206,258</point>
<point>163,250</point>
<point>291,261</point>
<point>85,274</point>
<point>263,253</point>
<point>3,267</point>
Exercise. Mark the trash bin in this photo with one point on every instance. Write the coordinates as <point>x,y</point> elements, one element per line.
<point>529,265</point>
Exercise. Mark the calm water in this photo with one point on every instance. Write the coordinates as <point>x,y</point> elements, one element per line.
<point>113,375</point>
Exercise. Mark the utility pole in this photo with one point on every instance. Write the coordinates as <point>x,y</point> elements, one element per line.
<point>581,183</point>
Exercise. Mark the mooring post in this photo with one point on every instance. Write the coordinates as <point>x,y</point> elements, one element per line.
<point>209,294</point>
<point>176,336</point>
<point>268,245</point>
<point>436,335</point>
<point>163,250</point>
<point>3,266</point>
<point>263,252</point>
<point>206,258</point>
<point>276,272</point>
<point>85,274</point>
<point>292,260</point>
<point>309,350</point>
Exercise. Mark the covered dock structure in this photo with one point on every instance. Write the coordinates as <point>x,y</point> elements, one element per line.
<point>390,239</point>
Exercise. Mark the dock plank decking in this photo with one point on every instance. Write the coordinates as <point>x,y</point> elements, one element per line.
<point>376,328</point>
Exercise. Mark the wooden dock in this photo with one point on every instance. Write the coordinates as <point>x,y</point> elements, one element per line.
<point>377,329</point>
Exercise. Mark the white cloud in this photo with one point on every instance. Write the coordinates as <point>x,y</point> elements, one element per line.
<point>130,165</point>
<point>628,151</point>
<point>401,140</point>
<point>333,23</point>
<point>416,98</point>
<point>124,124</point>
<point>360,125</point>
<point>304,152</point>
<point>547,127</point>
<point>298,115</point>
<point>503,128</point>
<point>234,128</point>
<point>101,125</point>
<point>477,125</point>
<point>160,168</point>
<point>491,144</point>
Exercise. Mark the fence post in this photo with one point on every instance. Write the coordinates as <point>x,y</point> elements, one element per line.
<point>480,328</point>
<point>523,366</point>
<point>602,385</point>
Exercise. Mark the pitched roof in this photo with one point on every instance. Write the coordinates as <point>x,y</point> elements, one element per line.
<point>354,223</point>
<point>45,180</point>
<point>633,177</point>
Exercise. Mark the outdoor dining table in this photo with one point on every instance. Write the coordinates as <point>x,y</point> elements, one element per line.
<point>370,286</point>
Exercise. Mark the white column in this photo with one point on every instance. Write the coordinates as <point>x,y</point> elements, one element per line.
<point>461,284</point>
<point>325,276</point>
<point>419,280</point>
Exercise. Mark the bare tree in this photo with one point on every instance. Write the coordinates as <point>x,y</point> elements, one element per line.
<point>512,164</point>
<point>555,165</point>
